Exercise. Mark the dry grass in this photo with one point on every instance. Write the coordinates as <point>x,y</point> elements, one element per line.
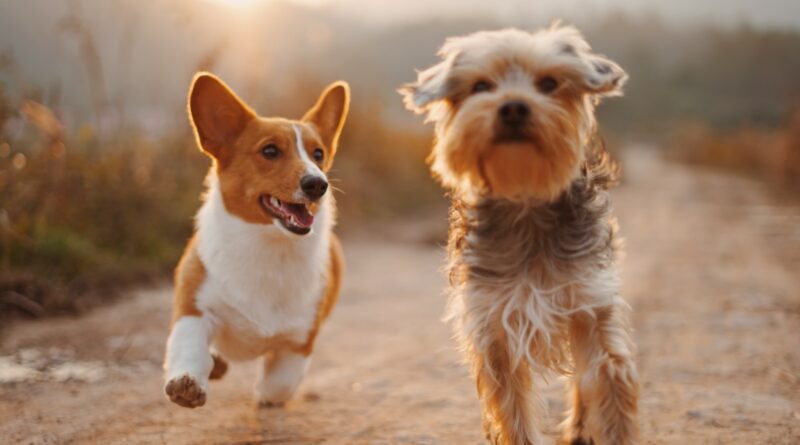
<point>770,154</point>
<point>82,214</point>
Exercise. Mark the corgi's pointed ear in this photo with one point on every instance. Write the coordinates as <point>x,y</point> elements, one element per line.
<point>330,112</point>
<point>218,116</point>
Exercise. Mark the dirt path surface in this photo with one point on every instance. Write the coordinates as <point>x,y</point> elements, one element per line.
<point>712,272</point>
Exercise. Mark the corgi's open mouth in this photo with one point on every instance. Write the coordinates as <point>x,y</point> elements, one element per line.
<point>295,217</point>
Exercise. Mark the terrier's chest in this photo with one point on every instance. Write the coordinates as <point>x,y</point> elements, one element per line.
<point>498,243</point>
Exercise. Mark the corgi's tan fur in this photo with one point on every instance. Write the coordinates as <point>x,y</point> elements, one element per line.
<point>263,269</point>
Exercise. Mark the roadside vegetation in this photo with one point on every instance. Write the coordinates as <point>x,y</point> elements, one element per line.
<point>90,205</point>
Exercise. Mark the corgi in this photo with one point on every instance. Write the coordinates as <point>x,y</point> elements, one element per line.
<point>263,268</point>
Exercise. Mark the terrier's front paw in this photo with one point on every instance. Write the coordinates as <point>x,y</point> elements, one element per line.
<point>490,433</point>
<point>185,391</point>
<point>493,438</point>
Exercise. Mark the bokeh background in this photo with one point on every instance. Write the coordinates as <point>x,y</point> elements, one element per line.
<point>100,179</point>
<point>99,175</point>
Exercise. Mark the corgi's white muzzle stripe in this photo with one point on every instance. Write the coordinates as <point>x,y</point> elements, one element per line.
<point>311,167</point>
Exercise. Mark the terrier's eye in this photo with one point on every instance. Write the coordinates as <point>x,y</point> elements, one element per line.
<point>319,155</point>
<point>481,86</point>
<point>271,151</point>
<point>547,84</point>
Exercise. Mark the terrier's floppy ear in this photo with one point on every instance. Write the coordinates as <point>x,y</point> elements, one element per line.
<point>217,115</point>
<point>430,87</point>
<point>594,73</point>
<point>602,76</point>
<point>330,112</point>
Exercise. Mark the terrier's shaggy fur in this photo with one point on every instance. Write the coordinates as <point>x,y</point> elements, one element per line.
<point>533,243</point>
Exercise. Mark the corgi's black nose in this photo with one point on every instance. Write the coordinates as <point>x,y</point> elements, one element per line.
<point>515,113</point>
<point>313,186</point>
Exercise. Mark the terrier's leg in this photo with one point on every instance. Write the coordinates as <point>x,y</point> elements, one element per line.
<point>574,425</point>
<point>605,386</point>
<point>280,376</point>
<point>506,393</point>
<point>188,362</point>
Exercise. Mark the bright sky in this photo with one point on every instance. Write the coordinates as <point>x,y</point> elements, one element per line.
<point>766,13</point>
<point>784,13</point>
<point>240,3</point>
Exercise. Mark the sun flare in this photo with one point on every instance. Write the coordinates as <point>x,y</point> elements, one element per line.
<point>234,3</point>
<point>237,2</point>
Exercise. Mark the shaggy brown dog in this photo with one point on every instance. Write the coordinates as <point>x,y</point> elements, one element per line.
<point>534,287</point>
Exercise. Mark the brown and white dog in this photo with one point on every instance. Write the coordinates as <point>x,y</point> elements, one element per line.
<point>532,247</point>
<point>263,269</point>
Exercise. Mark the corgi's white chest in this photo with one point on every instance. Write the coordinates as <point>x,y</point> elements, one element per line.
<point>260,280</point>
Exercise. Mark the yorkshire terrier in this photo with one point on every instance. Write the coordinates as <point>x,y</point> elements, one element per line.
<point>532,246</point>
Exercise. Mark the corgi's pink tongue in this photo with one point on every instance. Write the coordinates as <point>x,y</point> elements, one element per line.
<point>300,214</point>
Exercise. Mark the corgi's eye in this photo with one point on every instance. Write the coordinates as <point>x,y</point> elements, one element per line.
<point>547,84</point>
<point>481,86</point>
<point>319,155</point>
<point>271,151</point>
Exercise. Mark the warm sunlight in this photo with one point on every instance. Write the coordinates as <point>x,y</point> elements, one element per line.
<point>400,222</point>
<point>237,2</point>
<point>259,2</point>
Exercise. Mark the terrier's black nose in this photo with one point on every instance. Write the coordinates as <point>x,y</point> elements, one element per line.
<point>314,186</point>
<point>514,113</point>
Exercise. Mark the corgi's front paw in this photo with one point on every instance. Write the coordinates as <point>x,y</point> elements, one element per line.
<point>271,404</point>
<point>274,395</point>
<point>280,378</point>
<point>185,391</point>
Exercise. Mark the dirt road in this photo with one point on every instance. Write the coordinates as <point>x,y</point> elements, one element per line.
<point>712,272</point>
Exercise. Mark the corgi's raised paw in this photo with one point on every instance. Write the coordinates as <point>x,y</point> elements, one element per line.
<point>185,391</point>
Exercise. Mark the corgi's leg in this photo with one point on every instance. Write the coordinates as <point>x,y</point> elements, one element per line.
<point>283,370</point>
<point>220,366</point>
<point>189,361</point>
<point>605,386</point>
<point>280,376</point>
